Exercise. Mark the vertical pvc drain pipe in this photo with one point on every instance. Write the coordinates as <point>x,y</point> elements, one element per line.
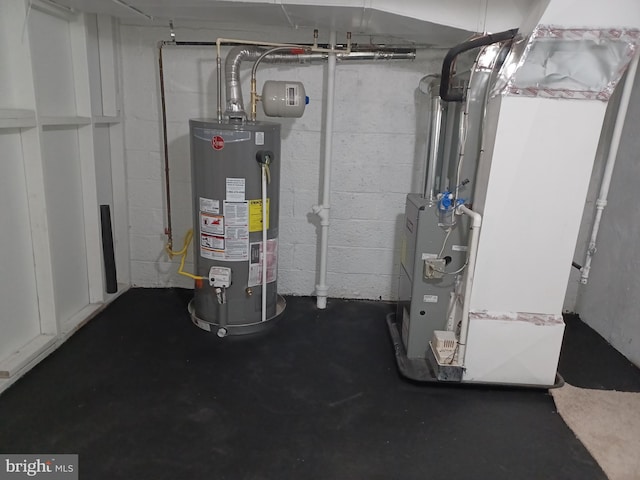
<point>323,210</point>
<point>601,202</point>
<point>476,223</point>
<point>264,242</point>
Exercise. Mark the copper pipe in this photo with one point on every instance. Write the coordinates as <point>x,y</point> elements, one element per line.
<point>167,184</point>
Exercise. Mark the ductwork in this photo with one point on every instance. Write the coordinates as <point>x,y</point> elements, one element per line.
<point>235,57</point>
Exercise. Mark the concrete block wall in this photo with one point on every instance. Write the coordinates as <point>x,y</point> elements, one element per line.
<point>378,150</point>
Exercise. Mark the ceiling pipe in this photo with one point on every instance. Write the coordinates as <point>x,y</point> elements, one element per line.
<point>297,55</point>
<point>448,63</point>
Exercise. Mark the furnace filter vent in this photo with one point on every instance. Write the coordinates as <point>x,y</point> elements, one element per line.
<point>283,99</point>
<point>444,344</point>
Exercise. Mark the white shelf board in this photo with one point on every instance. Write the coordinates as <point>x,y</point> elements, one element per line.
<point>54,121</point>
<point>17,118</point>
<point>106,120</point>
<point>28,353</point>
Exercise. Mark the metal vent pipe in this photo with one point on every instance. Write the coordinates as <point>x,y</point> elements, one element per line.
<point>235,57</point>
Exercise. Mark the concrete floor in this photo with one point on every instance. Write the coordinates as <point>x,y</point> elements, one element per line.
<point>140,393</point>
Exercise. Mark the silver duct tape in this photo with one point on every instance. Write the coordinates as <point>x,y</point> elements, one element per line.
<point>572,63</point>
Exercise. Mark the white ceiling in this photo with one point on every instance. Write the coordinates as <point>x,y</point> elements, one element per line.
<point>434,22</point>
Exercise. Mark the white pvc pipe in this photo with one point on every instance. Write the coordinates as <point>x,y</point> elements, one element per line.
<point>264,242</point>
<point>601,203</point>
<point>476,222</point>
<point>323,210</point>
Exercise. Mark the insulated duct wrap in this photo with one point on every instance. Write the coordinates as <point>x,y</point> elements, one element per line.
<point>237,55</point>
<point>574,63</point>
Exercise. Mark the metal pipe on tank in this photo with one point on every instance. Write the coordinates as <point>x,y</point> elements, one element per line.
<point>254,69</point>
<point>375,54</point>
<point>233,86</point>
<point>434,148</point>
<point>234,59</point>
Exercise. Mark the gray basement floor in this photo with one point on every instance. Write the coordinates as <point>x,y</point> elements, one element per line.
<point>140,393</point>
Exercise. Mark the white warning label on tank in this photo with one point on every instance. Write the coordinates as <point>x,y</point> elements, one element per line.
<point>236,213</point>
<point>235,189</point>
<point>212,242</point>
<point>209,206</point>
<point>237,243</point>
<point>212,246</point>
<point>430,299</point>
<point>259,138</point>
<point>256,262</point>
<point>225,237</point>
<point>210,223</point>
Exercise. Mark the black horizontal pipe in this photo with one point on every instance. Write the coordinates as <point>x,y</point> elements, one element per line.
<point>354,46</point>
<point>447,63</point>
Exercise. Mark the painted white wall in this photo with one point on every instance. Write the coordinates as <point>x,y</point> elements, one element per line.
<point>590,13</point>
<point>18,295</point>
<point>610,302</point>
<point>53,99</point>
<point>377,160</point>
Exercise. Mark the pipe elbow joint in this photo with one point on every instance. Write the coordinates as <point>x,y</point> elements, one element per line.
<point>322,211</point>
<point>476,218</point>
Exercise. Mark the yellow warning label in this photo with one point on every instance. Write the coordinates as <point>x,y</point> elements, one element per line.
<point>255,215</point>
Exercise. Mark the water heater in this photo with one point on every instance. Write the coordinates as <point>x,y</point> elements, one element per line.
<point>226,164</point>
